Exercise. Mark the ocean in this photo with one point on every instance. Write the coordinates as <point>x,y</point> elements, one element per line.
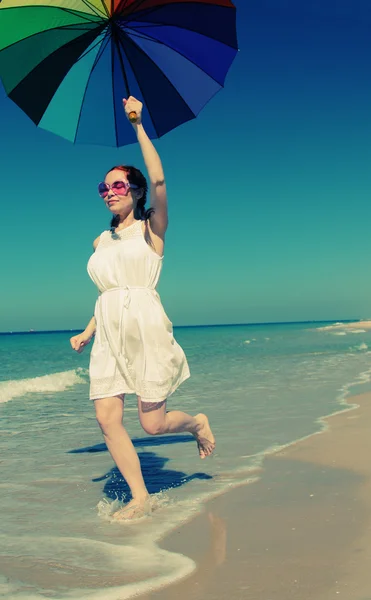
<point>263,387</point>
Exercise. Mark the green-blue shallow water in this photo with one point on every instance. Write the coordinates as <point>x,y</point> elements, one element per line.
<point>262,387</point>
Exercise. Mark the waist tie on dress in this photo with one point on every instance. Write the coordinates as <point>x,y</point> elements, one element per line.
<point>127,289</point>
<point>127,299</point>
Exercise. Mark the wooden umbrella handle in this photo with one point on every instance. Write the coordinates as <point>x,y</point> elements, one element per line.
<point>133,117</point>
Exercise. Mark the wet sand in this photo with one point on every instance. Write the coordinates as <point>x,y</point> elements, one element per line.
<point>303,531</point>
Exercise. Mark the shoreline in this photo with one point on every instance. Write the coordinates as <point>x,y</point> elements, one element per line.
<point>303,529</point>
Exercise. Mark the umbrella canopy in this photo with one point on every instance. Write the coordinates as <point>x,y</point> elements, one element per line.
<point>68,63</point>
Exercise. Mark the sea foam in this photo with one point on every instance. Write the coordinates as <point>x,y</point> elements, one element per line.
<point>57,382</point>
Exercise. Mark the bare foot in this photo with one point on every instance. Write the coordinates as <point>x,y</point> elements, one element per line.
<point>135,509</point>
<point>204,436</point>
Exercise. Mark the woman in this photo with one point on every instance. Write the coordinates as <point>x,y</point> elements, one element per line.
<point>134,349</point>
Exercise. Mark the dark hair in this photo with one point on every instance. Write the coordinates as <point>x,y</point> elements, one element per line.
<point>135,177</point>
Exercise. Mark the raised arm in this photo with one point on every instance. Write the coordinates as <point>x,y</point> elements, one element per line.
<point>158,197</point>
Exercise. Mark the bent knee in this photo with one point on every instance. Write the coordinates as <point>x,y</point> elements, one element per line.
<point>154,428</point>
<point>108,418</point>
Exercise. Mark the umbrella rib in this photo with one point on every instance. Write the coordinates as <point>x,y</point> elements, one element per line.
<point>70,43</point>
<point>154,8</point>
<point>122,5</point>
<point>123,70</point>
<point>70,11</point>
<point>67,10</point>
<point>73,12</point>
<point>105,8</point>
<point>157,67</point>
<point>147,37</point>
<point>88,51</point>
<point>140,2</point>
<point>87,83</point>
<point>113,92</point>
<point>95,10</point>
<point>136,4</point>
<point>58,28</point>
<point>183,29</point>
<point>124,74</point>
<point>140,87</point>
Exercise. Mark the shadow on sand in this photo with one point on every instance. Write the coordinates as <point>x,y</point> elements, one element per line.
<point>160,440</point>
<point>156,477</point>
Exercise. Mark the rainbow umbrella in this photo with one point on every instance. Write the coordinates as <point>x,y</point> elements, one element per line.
<point>68,63</point>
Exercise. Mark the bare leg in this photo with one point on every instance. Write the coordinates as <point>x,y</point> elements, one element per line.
<point>155,420</point>
<point>109,413</point>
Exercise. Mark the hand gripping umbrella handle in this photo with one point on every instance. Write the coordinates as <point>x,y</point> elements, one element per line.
<point>133,117</point>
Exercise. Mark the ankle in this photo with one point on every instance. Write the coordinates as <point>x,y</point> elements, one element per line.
<point>141,497</point>
<point>197,425</point>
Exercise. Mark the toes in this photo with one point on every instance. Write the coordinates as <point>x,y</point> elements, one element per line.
<point>201,452</point>
<point>126,514</point>
<point>205,444</point>
<point>210,449</point>
<point>132,511</point>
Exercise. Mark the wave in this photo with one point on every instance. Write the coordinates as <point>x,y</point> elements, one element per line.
<point>57,382</point>
<point>158,567</point>
<point>362,346</point>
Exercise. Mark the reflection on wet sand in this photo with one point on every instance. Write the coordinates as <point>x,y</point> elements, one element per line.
<point>213,558</point>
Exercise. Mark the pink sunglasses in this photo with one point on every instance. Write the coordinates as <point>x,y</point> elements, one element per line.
<point>118,187</point>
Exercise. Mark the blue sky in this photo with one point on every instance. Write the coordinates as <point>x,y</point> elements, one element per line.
<point>269,189</point>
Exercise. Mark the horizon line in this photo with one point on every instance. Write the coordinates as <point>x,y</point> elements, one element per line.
<point>258,324</point>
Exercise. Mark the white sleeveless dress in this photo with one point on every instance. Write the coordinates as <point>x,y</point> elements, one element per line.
<point>134,349</point>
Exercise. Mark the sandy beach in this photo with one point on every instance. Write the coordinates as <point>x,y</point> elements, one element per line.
<point>302,531</point>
